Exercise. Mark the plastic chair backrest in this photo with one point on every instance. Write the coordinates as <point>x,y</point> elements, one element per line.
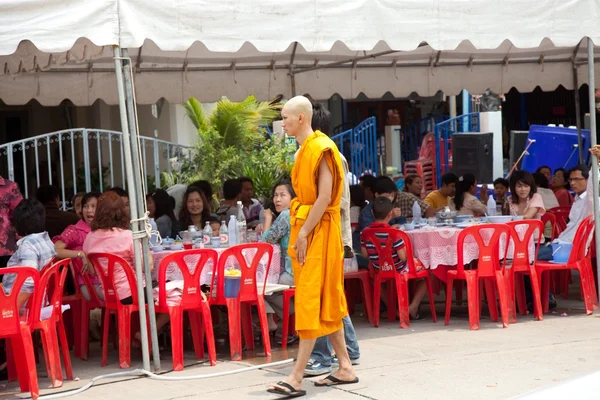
<point>550,218</point>
<point>10,320</point>
<point>562,216</point>
<point>248,284</point>
<point>107,276</point>
<point>582,240</point>
<point>521,233</point>
<point>51,286</point>
<point>489,258</point>
<point>385,251</point>
<point>566,209</point>
<point>192,295</point>
<point>94,299</point>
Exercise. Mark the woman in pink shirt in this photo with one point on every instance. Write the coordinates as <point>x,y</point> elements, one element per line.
<point>69,244</point>
<point>110,234</point>
<point>525,201</point>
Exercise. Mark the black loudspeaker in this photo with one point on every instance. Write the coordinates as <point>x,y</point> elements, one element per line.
<point>472,153</point>
<point>518,142</point>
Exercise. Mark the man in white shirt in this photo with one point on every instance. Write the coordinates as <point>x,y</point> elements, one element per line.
<point>582,207</point>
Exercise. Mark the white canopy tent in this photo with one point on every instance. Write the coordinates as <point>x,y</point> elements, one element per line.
<point>50,51</point>
<point>265,48</point>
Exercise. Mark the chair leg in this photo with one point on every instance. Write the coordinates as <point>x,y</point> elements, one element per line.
<point>366,287</point>
<point>490,292</point>
<point>197,333</point>
<point>473,299</point>
<point>176,321</point>
<point>449,287</point>
<point>84,330</point>
<point>105,328</point>
<point>124,328</point>
<point>64,345</point>
<point>402,289</point>
<point>26,365</point>
<point>51,355</point>
<point>431,299</point>
<point>235,331</point>
<point>503,298</point>
<point>584,275</point>
<point>545,277</point>
<point>247,328</point>
<point>11,366</point>
<point>376,301</point>
<point>264,325</point>
<point>519,292</point>
<point>535,288</point>
<point>207,328</point>
<point>286,320</point>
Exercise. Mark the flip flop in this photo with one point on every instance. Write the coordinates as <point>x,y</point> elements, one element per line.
<point>336,382</point>
<point>292,393</point>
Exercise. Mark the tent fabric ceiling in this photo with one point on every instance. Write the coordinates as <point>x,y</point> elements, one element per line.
<point>51,51</point>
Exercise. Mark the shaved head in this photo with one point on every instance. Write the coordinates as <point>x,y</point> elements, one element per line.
<point>297,117</point>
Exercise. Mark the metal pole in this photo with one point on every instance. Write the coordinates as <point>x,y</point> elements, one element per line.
<point>578,113</point>
<point>594,193</point>
<point>132,205</point>
<point>140,174</point>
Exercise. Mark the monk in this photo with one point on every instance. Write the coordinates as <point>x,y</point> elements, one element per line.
<point>315,248</point>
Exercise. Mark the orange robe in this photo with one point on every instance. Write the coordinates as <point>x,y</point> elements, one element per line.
<point>320,303</point>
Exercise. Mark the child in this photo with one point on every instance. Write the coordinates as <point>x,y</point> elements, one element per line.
<point>500,189</point>
<point>382,210</point>
<point>215,225</point>
<point>34,249</point>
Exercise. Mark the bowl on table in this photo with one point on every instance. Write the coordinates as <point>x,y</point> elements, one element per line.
<point>499,219</point>
<point>518,218</point>
<point>408,226</point>
<point>446,214</point>
<point>462,218</point>
<point>168,241</point>
<point>156,248</point>
<point>177,246</point>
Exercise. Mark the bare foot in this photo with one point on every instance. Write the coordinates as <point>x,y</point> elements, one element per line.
<point>344,375</point>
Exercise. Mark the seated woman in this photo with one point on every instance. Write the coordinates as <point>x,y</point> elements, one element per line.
<point>110,234</point>
<point>524,200</point>
<point>278,232</point>
<point>69,244</point>
<point>163,214</point>
<point>413,185</point>
<point>195,209</point>
<point>34,249</point>
<point>560,186</point>
<point>465,201</point>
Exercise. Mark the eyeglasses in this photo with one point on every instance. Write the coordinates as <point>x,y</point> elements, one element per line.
<point>576,179</point>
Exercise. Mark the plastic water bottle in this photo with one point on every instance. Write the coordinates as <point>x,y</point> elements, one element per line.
<point>491,206</point>
<point>233,233</point>
<point>153,236</point>
<point>416,211</point>
<point>241,224</point>
<point>207,234</point>
<point>224,235</point>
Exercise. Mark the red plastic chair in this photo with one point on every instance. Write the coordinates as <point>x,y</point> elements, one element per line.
<point>562,217</point>
<point>114,306</point>
<point>550,218</point>
<point>52,329</point>
<point>488,269</point>
<point>192,301</point>
<point>522,232</point>
<point>18,334</point>
<point>580,260</point>
<point>387,272</point>
<point>560,209</point>
<point>287,298</point>
<point>81,308</point>
<point>248,295</point>
<point>365,280</point>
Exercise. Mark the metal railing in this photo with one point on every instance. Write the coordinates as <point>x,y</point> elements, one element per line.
<point>412,136</point>
<point>81,160</point>
<point>359,146</point>
<point>443,135</point>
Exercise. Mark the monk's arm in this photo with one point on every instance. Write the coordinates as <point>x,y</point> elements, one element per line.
<point>324,187</point>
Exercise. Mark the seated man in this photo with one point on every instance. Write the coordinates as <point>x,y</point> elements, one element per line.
<point>383,187</point>
<point>439,198</point>
<point>34,249</point>
<point>232,190</point>
<point>252,207</point>
<point>405,201</point>
<point>368,182</point>
<point>56,219</point>
<point>582,207</point>
<point>382,211</point>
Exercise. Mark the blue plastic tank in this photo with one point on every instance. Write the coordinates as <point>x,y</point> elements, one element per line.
<point>555,147</point>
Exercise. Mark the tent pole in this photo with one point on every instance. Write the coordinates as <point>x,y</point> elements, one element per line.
<point>132,205</point>
<point>140,202</point>
<point>592,98</point>
<point>578,113</point>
